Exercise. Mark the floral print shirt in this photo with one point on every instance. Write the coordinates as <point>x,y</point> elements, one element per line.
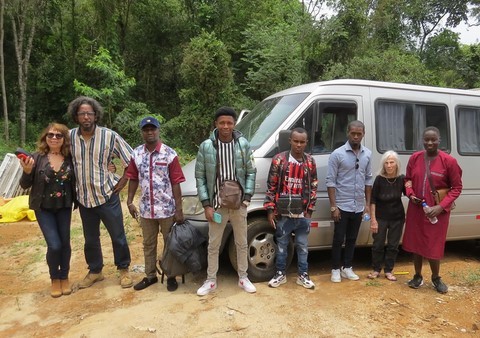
<point>156,172</point>
<point>58,187</point>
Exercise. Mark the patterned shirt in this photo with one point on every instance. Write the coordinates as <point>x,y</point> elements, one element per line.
<point>283,171</point>
<point>226,162</point>
<point>156,172</point>
<point>90,160</point>
<point>58,187</point>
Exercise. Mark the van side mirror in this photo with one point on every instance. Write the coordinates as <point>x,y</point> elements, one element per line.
<point>284,140</point>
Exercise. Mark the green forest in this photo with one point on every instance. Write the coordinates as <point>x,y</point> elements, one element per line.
<point>179,60</point>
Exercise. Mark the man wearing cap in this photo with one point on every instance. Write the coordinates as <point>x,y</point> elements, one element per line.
<point>155,167</point>
<point>93,147</point>
<point>226,155</point>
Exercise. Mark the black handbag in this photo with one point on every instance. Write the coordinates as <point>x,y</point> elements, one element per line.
<point>289,204</point>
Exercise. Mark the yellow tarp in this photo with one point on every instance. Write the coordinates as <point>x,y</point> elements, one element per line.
<point>16,210</point>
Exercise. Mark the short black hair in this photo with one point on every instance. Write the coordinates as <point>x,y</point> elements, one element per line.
<point>299,130</point>
<point>355,124</point>
<point>226,111</point>
<point>432,128</point>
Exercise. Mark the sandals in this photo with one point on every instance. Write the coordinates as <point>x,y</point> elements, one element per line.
<point>373,274</point>
<point>390,276</point>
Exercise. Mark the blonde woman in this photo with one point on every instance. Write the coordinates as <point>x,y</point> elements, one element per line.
<point>388,215</point>
<point>49,171</point>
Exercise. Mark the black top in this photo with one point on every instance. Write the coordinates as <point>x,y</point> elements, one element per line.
<point>387,197</point>
<point>58,187</point>
<point>37,179</point>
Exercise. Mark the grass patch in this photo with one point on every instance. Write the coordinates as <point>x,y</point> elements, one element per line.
<point>19,248</point>
<point>469,277</point>
<point>373,282</point>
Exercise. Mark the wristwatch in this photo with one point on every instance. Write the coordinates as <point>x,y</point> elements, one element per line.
<point>332,209</point>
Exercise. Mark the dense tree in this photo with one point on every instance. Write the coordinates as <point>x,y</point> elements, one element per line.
<point>208,84</point>
<point>390,65</point>
<point>185,58</point>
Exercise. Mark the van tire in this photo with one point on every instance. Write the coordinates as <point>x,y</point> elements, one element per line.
<point>262,249</point>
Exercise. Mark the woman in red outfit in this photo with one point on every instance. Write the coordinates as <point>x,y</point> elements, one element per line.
<point>421,237</point>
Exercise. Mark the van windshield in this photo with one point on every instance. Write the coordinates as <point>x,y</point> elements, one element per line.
<point>267,116</point>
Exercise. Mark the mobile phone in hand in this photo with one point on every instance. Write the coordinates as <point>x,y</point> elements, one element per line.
<point>22,154</point>
<point>217,218</point>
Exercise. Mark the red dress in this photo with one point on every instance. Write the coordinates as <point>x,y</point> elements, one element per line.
<point>422,237</point>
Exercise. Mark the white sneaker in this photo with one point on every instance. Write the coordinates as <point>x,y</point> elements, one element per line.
<point>336,276</point>
<point>208,286</point>
<point>277,280</point>
<point>305,281</point>
<point>245,284</point>
<point>348,273</point>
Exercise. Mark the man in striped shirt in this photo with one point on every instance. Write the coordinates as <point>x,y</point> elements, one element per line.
<point>93,148</point>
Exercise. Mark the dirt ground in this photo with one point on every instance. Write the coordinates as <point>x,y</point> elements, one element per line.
<point>361,308</point>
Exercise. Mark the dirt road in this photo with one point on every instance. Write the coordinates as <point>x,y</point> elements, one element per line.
<point>361,308</point>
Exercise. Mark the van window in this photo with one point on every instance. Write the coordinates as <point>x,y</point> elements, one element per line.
<point>468,130</point>
<point>326,124</point>
<point>267,116</point>
<point>399,125</point>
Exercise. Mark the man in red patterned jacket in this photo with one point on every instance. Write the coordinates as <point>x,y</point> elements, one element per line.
<point>290,201</point>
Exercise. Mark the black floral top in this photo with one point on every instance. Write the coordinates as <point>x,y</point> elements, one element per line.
<point>58,187</point>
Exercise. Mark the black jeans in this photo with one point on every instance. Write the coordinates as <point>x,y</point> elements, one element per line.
<point>110,213</point>
<point>346,230</point>
<point>390,231</point>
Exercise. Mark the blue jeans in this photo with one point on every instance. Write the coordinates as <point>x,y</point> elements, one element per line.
<point>55,226</point>
<point>110,213</point>
<point>345,230</point>
<point>301,228</point>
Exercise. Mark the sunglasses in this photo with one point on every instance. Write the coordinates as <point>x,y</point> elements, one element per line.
<point>356,164</point>
<point>56,135</point>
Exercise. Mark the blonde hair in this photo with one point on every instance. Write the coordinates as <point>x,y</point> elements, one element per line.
<point>385,156</point>
<point>42,145</point>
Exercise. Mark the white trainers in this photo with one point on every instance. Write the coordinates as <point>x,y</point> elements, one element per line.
<point>348,273</point>
<point>208,286</point>
<point>305,281</point>
<point>277,280</point>
<point>245,284</point>
<point>336,276</point>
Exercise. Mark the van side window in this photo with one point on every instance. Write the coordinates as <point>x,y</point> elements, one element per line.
<point>326,123</point>
<point>399,125</point>
<point>468,130</point>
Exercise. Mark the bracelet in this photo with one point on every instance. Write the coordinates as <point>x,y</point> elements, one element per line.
<point>129,204</point>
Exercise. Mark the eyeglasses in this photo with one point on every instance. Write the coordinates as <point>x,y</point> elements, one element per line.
<point>56,135</point>
<point>86,113</point>
<point>356,164</point>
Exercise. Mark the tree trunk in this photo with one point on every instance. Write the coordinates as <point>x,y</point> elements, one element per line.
<point>2,73</point>
<point>26,13</point>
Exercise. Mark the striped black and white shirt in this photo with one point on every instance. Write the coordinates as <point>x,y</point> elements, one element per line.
<point>226,162</point>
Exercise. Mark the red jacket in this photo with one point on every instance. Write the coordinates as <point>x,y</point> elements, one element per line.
<point>310,182</point>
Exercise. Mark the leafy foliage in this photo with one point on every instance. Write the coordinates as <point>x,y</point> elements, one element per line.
<point>208,85</point>
<point>182,59</point>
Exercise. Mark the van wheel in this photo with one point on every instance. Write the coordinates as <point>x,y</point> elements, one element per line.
<point>262,249</point>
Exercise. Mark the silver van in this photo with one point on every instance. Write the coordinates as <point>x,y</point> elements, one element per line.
<point>394,116</point>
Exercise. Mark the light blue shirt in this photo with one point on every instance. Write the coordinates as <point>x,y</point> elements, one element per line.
<point>349,182</point>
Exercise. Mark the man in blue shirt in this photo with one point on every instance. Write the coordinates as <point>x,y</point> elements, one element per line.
<point>349,185</point>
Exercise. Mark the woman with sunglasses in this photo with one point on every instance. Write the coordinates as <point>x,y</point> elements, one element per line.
<point>49,171</point>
